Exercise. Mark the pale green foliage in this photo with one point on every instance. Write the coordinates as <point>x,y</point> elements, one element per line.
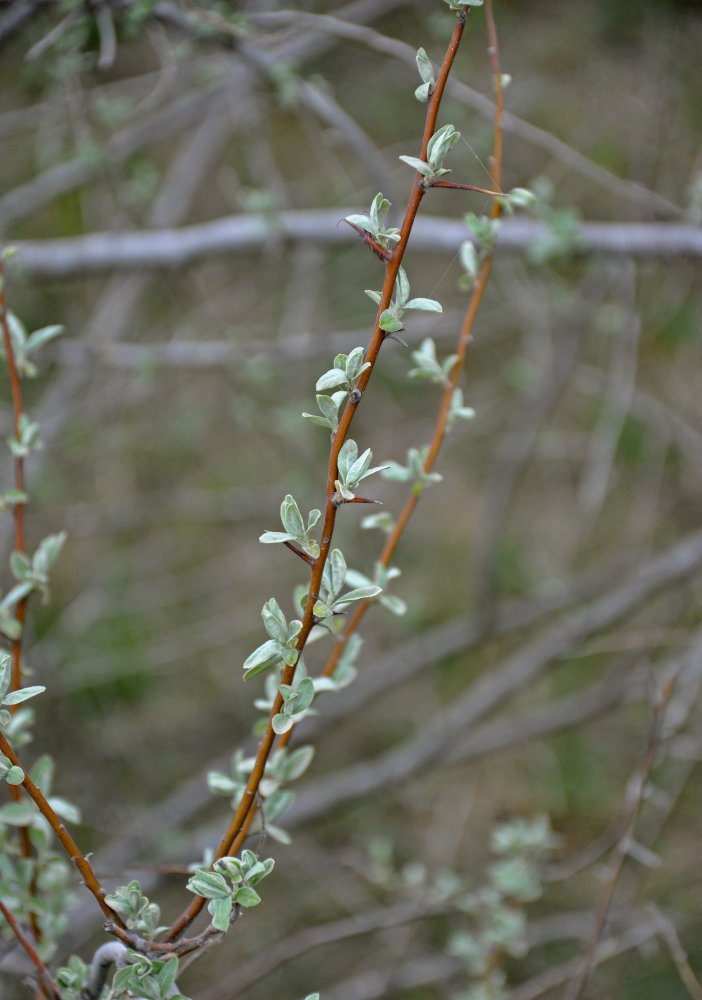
<point>374,222</point>
<point>331,600</point>
<point>145,977</point>
<point>383,575</point>
<point>413,471</point>
<point>70,978</point>
<point>136,910</point>
<point>280,648</point>
<point>495,911</point>
<point>24,344</point>
<point>462,4</point>
<point>352,469</point>
<point>9,698</point>
<point>457,411</point>
<point>391,318</point>
<point>329,409</point>
<point>440,144</point>
<point>282,767</point>
<point>427,364</point>
<point>426,71</point>
<point>346,372</point>
<point>27,438</point>
<point>229,885</point>
<point>295,530</point>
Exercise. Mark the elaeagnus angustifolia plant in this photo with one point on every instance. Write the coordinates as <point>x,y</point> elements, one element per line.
<point>39,854</point>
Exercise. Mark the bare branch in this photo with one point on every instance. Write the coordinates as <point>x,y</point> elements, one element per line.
<point>97,253</point>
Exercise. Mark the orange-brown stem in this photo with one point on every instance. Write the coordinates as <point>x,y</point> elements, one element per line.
<point>49,988</point>
<point>245,809</point>
<point>66,840</point>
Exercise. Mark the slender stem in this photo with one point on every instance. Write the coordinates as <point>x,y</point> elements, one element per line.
<point>245,810</point>
<point>461,350</point>
<point>638,787</point>
<point>47,982</point>
<point>21,609</point>
<point>67,841</point>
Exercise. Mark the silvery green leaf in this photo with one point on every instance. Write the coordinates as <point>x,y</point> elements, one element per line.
<point>331,379</point>
<point>426,70</point>
<point>220,911</point>
<point>289,655</point>
<point>355,365</point>
<point>5,674</point>
<point>357,471</point>
<point>274,620</point>
<point>426,354</point>
<point>294,629</point>
<point>65,809</point>
<point>312,518</point>
<point>278,803</point>
<point>402,288</point>
<point>483,228</point>
<point>290,515</point>
<point>167,974</point>
<point>47,552</point>
<point>396,472</point>
<point>383,521</point>
<point>457,411</point>
<point>376,296</point>
<point>347,456</point>
<point>20,565</point>
<point>16,813</point>
<point>389,322</point>
<point>305,694</point>
<point>321,610</point>
<point>230,866</point>
<point>329,405</point>
<point>246,896</point>
<point>210,885</point>
<point>271,537</point>
<point>449,363</point>
<point>221,784</point>
<point>18,332</point>
<point>440,144</point>
<point>281,723</point>
<point>359,594</point>
<point>265,656</point>
<point>468,256</point>
<point>42,336</point>
<point>15,776</point>
<point>16,697</point>
<point>378,209</point>
<point>335,572</point>
<point>520,197</point>
<point>315,419</point>
<point>393,603</point>
<point>419,165</point>
<point>361,220</point>
<point>427,305</point>
<point>297,762</point>
<point>13,597</point>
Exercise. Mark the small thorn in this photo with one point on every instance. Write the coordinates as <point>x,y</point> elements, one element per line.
<point>298,552</point>
<point>393,336</point>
